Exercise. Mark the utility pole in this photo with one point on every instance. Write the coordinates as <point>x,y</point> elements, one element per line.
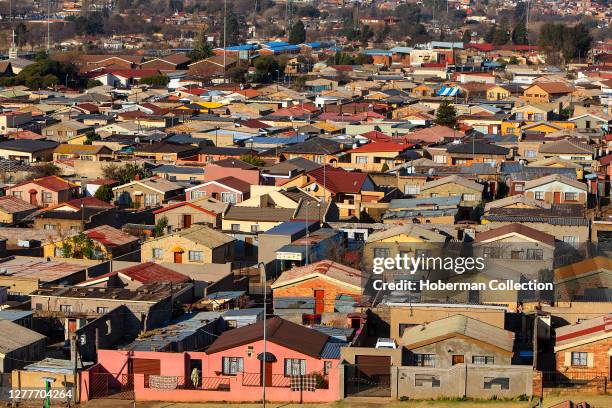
<point>224,37</point>
<point>48,26</point>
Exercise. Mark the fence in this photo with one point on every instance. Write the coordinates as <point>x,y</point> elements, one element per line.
<point>162,382</point>
<point>310,381</point>
<point>574,380</point>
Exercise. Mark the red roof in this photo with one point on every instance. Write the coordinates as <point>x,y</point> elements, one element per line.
<point>375,135</point>
<point>606,160</point>
<point>181,204</point>
<point>147,273</point>
<point>136,73</point>
<point>338,180</point>
<point>25,135</point>
<point>53,183</point>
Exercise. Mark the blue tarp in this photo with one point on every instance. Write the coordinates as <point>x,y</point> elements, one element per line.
<point>448,91</point>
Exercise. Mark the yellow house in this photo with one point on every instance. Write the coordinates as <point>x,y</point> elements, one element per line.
<point>196,245</point>
<point>546,91</point>
<point>547,127</point>
<point>82,152</point>
<point>497,93</point>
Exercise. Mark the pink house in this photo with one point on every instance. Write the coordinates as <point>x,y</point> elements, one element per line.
<point>227,189</point>
<point>232,168</point>
<point>45,191</point>
<point>301,364</point>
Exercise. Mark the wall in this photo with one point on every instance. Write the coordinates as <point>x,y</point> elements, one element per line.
<point>307,289</point>
<point>558,231</point>
<point>598,359</point>
<point>445,349</point>
<point>462,380</point>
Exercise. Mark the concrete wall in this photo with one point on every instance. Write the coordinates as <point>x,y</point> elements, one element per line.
<point>445,349</point>
<point>460,380</point>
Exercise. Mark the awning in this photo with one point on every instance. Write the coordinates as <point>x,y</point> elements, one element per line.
<point>177,248</point>
<point>448,91</point>
<point>269,357</point>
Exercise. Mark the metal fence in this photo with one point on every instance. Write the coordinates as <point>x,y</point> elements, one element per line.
<point>163,382</point>
<point>576,379</point>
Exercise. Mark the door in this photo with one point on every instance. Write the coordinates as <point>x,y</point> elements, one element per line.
<point>186,220</point>
<point>319,301</point>
<point>72,326</point>
<point>557,197</point>
<point>33,198</point>
<point>458,359</point>
<point>178,257</point>
<point>268,378</point>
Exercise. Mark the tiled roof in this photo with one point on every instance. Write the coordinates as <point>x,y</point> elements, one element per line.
<point>149,272</point>
<point>109,236</point>
<point>11,204</point>
<point>338,180</point>
<point>326,268</point>
<point>454,179</point>
<point>518,229</point>
<point>586,266</point>
<point>53,183</point>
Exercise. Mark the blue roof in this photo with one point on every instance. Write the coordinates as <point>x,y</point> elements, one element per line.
<point>279,140</point>
<point>273,44</point>
<point>378,52</point>
<point>14,315</point>
<point>402,50</point>
<point>331,349</point>
<point>289,227</point>
<point>243,47</point>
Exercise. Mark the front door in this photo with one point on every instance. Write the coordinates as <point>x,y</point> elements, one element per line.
<point>33,198</point>
<point>319,301</point>
<point>557,197</point>
<point>458,359</point>
<point>268,374</point>
<point>186,220</point>
<point>178,257</point>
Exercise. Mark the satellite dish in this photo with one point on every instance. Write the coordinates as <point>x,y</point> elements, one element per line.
<point>136,140</point>
<point>431,171</point>
<point>315,187</point>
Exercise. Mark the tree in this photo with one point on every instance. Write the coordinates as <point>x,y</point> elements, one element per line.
<point>44,170</point>
<point>232,28</point>
<point>490,34</point>
<point>21,33</point>
<point>519,34</point>
<point>365,34</point>
<point>91,137</point>
<point>79,246</point>
<point>160,226</point>
<point>104,193</point>
<point>267,69</point>
<point>202,49</point>
<point>253,160</point>
<point>126,173</point>
<point>297,34</point>
<point>502,35</point>
<point>92,83</point>
<point>446,115</point>
<point>513,60</point>
<point>568,42</point>
<point>156,80</point>
<point>467,37</point>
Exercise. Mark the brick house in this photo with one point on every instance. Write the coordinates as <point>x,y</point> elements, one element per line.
<point>584,280</point>
<point>585,347</point>
<point>185,214</point>
<point>323,281</point>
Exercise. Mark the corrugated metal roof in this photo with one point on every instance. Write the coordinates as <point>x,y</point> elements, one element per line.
<point>331,349</point>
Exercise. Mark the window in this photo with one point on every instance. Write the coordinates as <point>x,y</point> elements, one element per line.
<point>86,157</point>
<point>519,187</point>
<point>539,195</point>
<point>47,197</point>
<point>228,198</point>
<point>39,306</point>
<point>254,228</point>
<point>59,252</point>
<point>102,310</point>
<point>434,195</point>
<point>151,200</point>
<point>404,326</point>
<point>412,189</point>
<point>235,227</point>
<point>425,360</point>
<point>568,239</point>
<point>195,256</point>
<point>361,159</point>
<point>421,380</point>
<point>587,124</point>
<point>158,253</point>
<point>492,252</point>
<point>17,194</point>
<point>50,227</point>
<point>535,254</point>
<point>382,252</point>
<point>491,162</point>
<point>232,365</point>
<point>502,383</point>
<point>65,308</point>
<point>531,153</point>
<point>580,358</point>
<point>461,161</point>
<point>327,366</point>
<point>469,197</point>
<point>197,194</point>
<point>538,117</point>
<point>483,360</point>
<point>438,158</point>
<point>317,159</point>
<point>519,115</point>
<point>295,366</point>
<point>577,158</point>
<point>571,196</point>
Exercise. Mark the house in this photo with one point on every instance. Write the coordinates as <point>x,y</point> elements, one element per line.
<point>497,93</point>
<point>19,346</point>
<point>13,209</point>
<point>233,366</point>
<point>164,151</point>
<point>167,63</point>
<point>29,151</point>
<point>231,167</point>
<point>546,91</point>
<point>587,280</point>
<point>592,121</point>
<point>111,242</point>
<point>24,275</point>
<point>187,174</point>
<point>13,121</point>
<point>69,131</point>
<point>254,219</point>
<point>585,346</point>
<point>516,242</point>
<point>556,188</point>
<point>556,162</point>
<point>471,193</point>
<point>476,152</point>
<point>185,214</point>
<point>198,244</point>
<point>133,277</point>
<point>82,152</point>
<point>149,192</point>
<point>45,191</point>
<point>375,155</point>
<point>214,66</point>
<point>565,222</point>
<point>323,285</point>
<point>229,190</point>
<point>317,149</point>
<point>577,152</point>
<point>470,341</point>
<point>435,210</point>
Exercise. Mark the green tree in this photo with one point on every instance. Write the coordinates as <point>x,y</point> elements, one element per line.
<point>502,34</point>
<point>160,227</point>
<point>446,115</point>
<point>21,34</point>
<point>466,37</point>
<point>202,49</point>
<point>157,80</point>
<point>44,170</point>
<point>297,34</point>
<point>568,42</point>
<point>513,60</point>
<point>104,193</point>
<point>79,246</point>
<point>253,160</point>
<point>92,83</point>
<point>519,34</point>
<point>91,137</point>
<point>125,173</point>
<point>490,33</point>
<point>267,69</point>
<point>232,28</point>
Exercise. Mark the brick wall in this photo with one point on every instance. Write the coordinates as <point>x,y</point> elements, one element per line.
<point>307,288</point>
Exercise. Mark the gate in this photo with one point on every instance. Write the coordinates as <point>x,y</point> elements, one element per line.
<point>369,377</point>
<point>116,386</point>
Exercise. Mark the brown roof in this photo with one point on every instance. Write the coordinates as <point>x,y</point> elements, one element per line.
<point>583,267</point>
<point>554,87</point>
<point>279,331</point>
<point>11,204</point>
<point>518,229</point>
<point>259,214</point>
